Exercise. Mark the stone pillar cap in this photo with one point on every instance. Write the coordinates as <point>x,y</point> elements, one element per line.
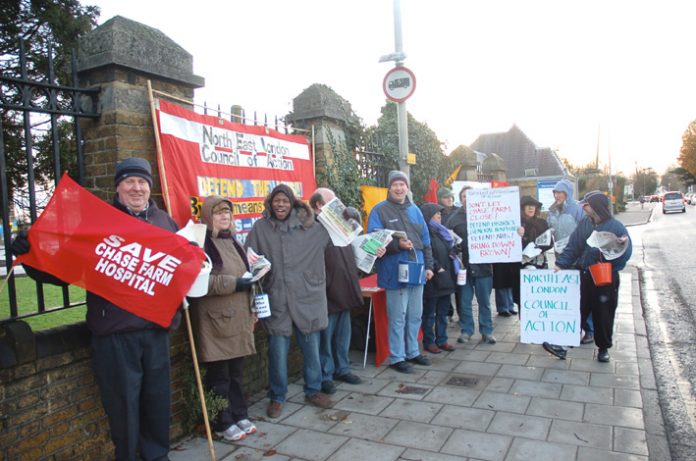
<point>130,44</point>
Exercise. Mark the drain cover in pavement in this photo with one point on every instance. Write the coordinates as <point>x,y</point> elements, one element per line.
<point>463,381</point>
<point>404,389</point>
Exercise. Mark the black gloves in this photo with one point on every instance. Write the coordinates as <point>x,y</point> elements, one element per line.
<point>20,245</point>
<point>243,284</point>
<point>352,213</point>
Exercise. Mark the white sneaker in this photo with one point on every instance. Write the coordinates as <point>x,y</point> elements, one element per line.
<point>247,426</point>
<point>232,433</point>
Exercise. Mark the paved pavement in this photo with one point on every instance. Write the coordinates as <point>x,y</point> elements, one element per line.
<point>507,401</point>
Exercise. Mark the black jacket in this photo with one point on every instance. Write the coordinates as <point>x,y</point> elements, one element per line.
<point>443,282</point>
<point>342,284</point>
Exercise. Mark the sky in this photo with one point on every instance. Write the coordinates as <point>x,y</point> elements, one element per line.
<point>607,78</point>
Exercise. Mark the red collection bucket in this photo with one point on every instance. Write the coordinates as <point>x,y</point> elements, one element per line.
<point>601,274</point>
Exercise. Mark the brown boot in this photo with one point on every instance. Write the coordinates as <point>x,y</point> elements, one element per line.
<point>319,399</point>
<point>274,409</point>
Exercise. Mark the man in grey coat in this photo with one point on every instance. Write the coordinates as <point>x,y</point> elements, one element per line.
<point>288,236</point>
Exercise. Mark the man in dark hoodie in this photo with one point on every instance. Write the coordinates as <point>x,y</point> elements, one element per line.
<point>130,354</point>
<point>294,243</point>
<point>600,301</point>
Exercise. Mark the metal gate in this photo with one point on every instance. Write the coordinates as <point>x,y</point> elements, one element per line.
<point>27,107</point>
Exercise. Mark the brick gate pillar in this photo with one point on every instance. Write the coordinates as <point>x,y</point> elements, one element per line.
<point>119,57</point>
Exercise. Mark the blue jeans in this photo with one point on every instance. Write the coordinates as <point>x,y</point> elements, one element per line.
<point>404,310</point>
<point>435,315</point>
<point>481,287</point>
<point>278,347</point>
<point>335,343</point>
<point>503,300</point>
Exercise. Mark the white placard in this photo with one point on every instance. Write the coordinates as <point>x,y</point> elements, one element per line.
<point>493,217</point>
<point>550,307</point>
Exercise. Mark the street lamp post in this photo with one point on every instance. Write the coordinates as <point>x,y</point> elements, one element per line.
<point>402,121</point>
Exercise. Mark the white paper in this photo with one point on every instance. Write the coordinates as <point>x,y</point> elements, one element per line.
<point>493,217</point>
<point>544,239</point>
<point>365,246</point>
<point>550,307</point>
<point>608,243</point>
<point>342,231</point>
<point>258,264</point>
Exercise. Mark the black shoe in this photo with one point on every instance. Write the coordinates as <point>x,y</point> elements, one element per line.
<point>420,360</point>
<point>512,311</point>
<point>504,314</point>
<point>553,349</point>
<point>349,378</point>
<point>603,355</point>
<point>401,367</point>
<point>328,387</point>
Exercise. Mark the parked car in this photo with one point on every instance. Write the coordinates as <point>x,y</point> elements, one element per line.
<point>673,201</point>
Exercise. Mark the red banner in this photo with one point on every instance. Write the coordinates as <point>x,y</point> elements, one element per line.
<point>139,267</point>
<point>204,155</point>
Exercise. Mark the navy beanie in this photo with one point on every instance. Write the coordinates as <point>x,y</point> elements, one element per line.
<point>133,166</point>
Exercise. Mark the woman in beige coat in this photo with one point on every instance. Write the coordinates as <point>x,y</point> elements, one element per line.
<point>222,320</point>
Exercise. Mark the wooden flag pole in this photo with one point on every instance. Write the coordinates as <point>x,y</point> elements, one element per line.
<point>199,383</point>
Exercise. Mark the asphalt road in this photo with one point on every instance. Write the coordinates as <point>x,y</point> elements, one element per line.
<point>665,255</point>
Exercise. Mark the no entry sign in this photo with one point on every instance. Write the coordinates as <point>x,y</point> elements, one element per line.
<point>399,84</point>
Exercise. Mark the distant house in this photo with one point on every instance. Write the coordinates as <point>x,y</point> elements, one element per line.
<point>523,159</point>
<point>511,156</point>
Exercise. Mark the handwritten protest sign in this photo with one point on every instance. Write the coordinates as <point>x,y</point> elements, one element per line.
<point>493,217</point>
<point>550,309</point>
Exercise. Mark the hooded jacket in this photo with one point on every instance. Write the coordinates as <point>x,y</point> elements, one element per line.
<point>296,283</point>
<point>222,320</point>
<point>565,217</point>
<point>458,223</point>
<point>405,217</point>
<point>578,254</point>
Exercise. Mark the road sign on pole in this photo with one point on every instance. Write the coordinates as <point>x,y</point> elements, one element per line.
<point>399,84</point>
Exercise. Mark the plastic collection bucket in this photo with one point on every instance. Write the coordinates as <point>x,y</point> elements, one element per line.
<point>410,272</point>
<point>601,274</point>
<point>200,286</point>
<point>262,306</point>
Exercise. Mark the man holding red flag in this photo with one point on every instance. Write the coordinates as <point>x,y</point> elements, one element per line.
<point>130,353</point>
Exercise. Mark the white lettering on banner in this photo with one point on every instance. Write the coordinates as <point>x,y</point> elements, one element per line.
<point>133,265</point>
<point>215,138</point>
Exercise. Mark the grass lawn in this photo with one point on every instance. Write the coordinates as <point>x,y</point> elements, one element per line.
<point>53,297</point>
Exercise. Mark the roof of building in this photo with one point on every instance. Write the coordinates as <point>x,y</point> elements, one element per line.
<point>522,157</point>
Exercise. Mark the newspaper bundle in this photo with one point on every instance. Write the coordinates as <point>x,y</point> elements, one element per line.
<point>365,248</point>
<point>341,230</point>
<point>609,244</point>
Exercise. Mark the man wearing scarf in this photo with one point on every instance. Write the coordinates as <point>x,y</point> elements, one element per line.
<point>404,301</point>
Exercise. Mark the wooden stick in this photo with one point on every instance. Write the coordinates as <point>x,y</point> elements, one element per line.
<point>158,145</point>
<point>199,383</point>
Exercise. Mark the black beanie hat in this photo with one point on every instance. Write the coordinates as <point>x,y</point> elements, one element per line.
<point>133,166</point>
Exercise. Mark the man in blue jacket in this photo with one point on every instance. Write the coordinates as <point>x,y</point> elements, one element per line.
<point>600,301</point>
<point>404,301</point>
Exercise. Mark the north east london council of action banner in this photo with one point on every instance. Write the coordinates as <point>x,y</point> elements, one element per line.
<point>204,155</point>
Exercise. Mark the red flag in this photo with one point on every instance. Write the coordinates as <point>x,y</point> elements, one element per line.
<point>139,267</point>
<point>431,194</point>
